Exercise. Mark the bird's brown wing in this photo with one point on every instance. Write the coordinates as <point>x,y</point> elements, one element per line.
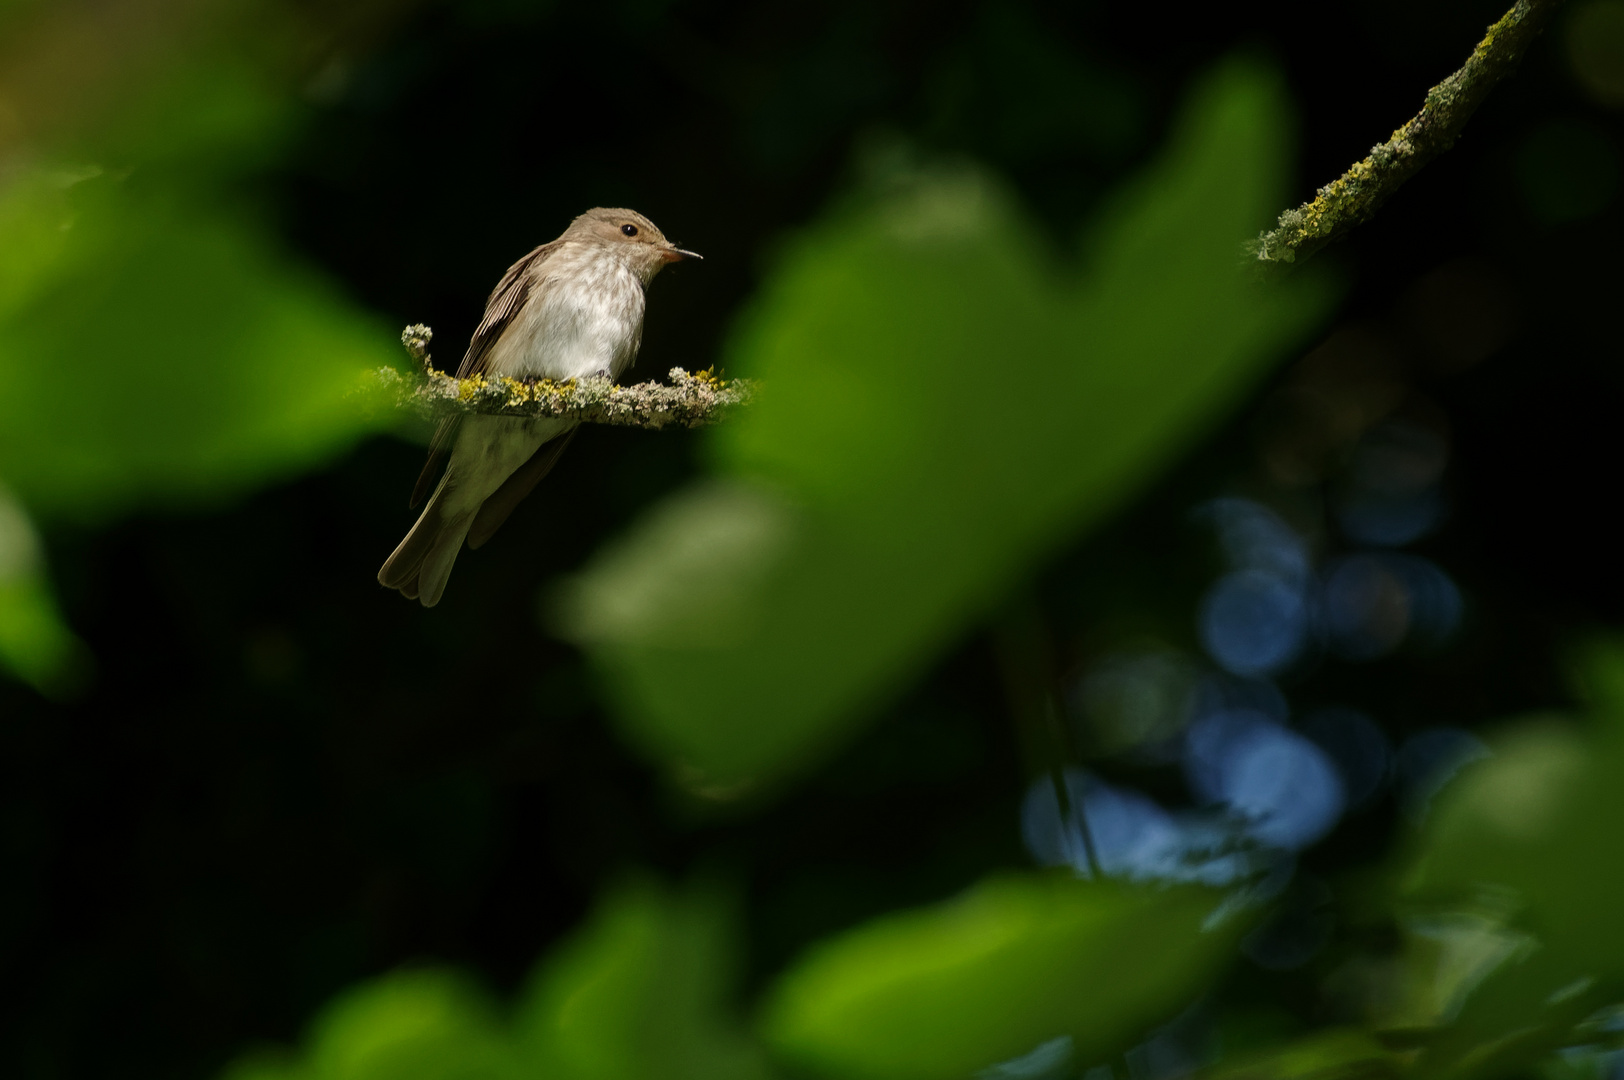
<point>504,303</point>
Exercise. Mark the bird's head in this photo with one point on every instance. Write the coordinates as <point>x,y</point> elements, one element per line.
<point>631,236</point>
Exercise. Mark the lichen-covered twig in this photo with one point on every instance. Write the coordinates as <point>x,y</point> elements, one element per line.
<point>687,401</point>
<point>1353,198</point>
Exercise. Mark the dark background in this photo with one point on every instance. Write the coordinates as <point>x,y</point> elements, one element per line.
<point>284,779</point>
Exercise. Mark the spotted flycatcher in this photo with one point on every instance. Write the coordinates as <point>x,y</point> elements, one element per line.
<point>568,310</point>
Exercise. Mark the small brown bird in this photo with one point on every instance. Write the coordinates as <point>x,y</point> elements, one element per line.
<point>570,309</point>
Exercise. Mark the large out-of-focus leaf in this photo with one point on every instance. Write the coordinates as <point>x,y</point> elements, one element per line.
<point>639,995</point>
<point>156,346</point>
<point>944,991</point>
<point>1532,834</point>
<point>153,352</point>
<point>944,405</point>
<point>1537,823</point>
<point>412,1025</point>
<point>1537,819</point>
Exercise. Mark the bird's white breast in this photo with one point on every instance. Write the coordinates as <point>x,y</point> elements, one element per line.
<point>584,317</point>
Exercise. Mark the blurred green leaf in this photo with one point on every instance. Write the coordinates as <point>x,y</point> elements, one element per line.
<point>427,1024</point>
<point>151,352</point>
<point>1532,834</point>
<point>944,406</point>
<point>943,991</point>
<point>1536,823</point>
<point>640,993</point>
<point>1333,1054</point>
<point>35,645</point>
<point>156,347</point>
<point>637,994</point>
<point>1524,1010</point>
<point>203,119</point>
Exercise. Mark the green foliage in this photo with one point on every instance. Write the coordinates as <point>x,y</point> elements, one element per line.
<point>1506,907</point>
<point>942,992</point>
<point>1528,840</point>
<point>156,346</point>
<point>639,992</point>
<point>1343,1053</point>
<point>642,991</point>
<point>424,1024</point>
<point>944,405</point>
<point>35,645</point>
<point>154,352</point>
<point>1512,952</point>
<point>412,1025</point>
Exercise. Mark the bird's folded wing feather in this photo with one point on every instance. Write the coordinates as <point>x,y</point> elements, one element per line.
<point>495,510</point>
<point>505,301</point>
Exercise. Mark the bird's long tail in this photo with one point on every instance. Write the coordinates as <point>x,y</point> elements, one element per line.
<point>422,563</point>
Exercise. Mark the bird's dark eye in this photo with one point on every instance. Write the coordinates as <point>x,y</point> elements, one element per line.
<point>629,230</point>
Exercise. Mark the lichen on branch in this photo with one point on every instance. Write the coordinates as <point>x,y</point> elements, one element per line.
<point>1354,197</point>
<point>689,400</point>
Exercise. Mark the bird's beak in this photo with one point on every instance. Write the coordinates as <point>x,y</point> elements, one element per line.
<point>673,254</point>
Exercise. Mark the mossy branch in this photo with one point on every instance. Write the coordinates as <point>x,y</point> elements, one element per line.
<point>687,401</point>
<point>1353,198</point>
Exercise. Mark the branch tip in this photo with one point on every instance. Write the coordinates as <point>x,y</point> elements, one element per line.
<point>1353,198</point>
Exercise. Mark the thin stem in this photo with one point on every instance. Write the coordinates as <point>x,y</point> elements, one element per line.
<point>1062,798</point>
<point>1024,655</point>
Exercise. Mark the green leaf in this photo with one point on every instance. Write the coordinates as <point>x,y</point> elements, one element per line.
<point>35,645</point>
<point>1536,824</point>
<point>154,352</point>
<point>1531,834</point>
<point>1333,1054</point>
<point>156,346</point>
<point>944,406</point>
<point>425,1024</point>
<point>946,990</point>
<point>640,993</point>
<point>637,994</point>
